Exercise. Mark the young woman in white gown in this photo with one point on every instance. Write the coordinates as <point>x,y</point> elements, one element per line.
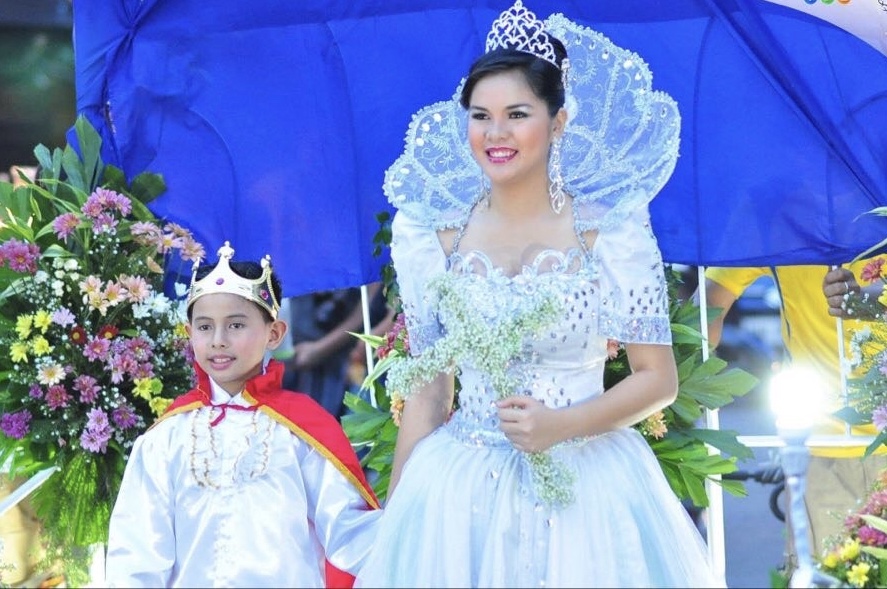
<point>522,216</point>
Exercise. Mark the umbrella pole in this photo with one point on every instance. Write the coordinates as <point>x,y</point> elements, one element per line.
<point>715,527</point>
<point>842,365</point>
<point>367,330</point>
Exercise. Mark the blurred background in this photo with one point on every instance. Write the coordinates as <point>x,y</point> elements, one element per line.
<point>37,96</point>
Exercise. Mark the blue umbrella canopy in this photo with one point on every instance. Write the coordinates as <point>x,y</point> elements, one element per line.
<point>273,121</point>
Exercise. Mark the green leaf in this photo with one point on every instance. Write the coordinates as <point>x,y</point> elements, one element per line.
<point>89,164</point>
<point>851,415</point>
<point>147,186</point>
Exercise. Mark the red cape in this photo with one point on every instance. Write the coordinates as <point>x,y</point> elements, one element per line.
<point>305,418</point>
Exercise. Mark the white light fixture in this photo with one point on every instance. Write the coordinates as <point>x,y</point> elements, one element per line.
<point>797,398</point>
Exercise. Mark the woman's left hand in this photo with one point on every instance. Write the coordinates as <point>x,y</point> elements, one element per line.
<point>527,423</point>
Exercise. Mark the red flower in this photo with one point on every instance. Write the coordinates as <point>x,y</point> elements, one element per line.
<point>78,336</point>
<point>108,332</point>
<point>872,270</point>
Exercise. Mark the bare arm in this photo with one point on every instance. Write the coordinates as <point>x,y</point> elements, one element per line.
<point>423,412</point>
<point>652,385</point>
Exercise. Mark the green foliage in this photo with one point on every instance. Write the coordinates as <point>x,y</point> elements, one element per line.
<point>66,298</point>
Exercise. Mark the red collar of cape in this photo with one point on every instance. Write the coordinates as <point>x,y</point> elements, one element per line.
<point>300,414</point>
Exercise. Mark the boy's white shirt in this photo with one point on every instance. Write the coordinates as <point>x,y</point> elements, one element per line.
<point>246,531</point>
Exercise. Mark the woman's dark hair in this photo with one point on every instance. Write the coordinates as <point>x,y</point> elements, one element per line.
<point>543,77</point>
<point>250,270</point>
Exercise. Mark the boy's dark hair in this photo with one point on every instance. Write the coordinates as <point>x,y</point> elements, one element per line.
<point>251,270</point>
<point>544,78</point>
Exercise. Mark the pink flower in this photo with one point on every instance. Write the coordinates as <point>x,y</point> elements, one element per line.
<point>872,270</point>
<point>97,349</point>
<point>871,537</point>
<point>20,256</point>
<point>57,396</point>
<point>65,224</point>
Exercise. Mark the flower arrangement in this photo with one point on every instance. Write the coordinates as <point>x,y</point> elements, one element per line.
<point>93,339</point>
<point>858,556</point>
<point>867,384</point>
<point>491,348</point>
<point>682,448</point>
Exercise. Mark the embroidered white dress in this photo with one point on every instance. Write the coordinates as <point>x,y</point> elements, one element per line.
<point>244,503</point>
<point>465,512</point>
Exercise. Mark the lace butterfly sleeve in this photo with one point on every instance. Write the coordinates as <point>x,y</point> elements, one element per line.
<point>634,295</point>
<point>417,257</point>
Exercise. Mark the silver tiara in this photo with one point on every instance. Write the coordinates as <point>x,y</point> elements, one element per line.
<point>517,28</point>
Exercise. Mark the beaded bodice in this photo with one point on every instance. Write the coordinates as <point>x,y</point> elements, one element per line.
<point>561,366</point>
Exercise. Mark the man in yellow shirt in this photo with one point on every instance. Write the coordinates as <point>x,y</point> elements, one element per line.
<point>838,477</point>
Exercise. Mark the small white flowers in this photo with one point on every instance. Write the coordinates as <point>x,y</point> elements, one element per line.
<point>490,345</point>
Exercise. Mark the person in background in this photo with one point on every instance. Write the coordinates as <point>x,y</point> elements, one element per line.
<point>837,476</point>
<point>537,479</point>
<point>240,483</point>
<point>317,353</point>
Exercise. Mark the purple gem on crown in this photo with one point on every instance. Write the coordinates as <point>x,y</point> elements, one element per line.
<point>220,281</point>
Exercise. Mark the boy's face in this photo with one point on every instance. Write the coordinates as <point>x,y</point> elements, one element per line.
<point>230,337</point>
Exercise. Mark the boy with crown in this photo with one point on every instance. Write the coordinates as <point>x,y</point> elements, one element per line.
<point>240,483</point>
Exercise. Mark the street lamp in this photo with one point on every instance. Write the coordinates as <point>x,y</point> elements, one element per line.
<point>797,397</point>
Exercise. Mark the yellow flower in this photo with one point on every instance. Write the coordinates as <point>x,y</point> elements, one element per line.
<point>42,320</point>
<point>858,574</point>
<point>159,404</point>
<point>849,550</point>
<point>19,352</point>
<point>143,388</point>
<point>23,325</point>
<point>830,560</point>
<point>883,297</point>
<point>40,346</point>
<point>181,331</point>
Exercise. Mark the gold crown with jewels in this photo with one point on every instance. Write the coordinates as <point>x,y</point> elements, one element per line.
<point>518,28</point>
<point>222,279</point>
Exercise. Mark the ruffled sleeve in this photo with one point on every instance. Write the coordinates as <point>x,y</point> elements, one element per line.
<point>417,257</point>
<point>634,295</point>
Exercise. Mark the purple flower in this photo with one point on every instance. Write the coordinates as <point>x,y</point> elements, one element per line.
<point>871,537</point>
<point>95,440</point>
<point>63,317</point>
<point>88,388</point>
<point>16,425</point>
<point>124,417</point>
<point>35,392</point>
<point>96,419</point>
<point>65,224</point>
<point>879,417</point>
<point>104,223</point>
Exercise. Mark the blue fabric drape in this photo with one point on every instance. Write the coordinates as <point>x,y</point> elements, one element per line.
<point>273,121</point>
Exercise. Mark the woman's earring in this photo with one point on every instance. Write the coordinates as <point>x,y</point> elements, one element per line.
<point>556,185</point>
